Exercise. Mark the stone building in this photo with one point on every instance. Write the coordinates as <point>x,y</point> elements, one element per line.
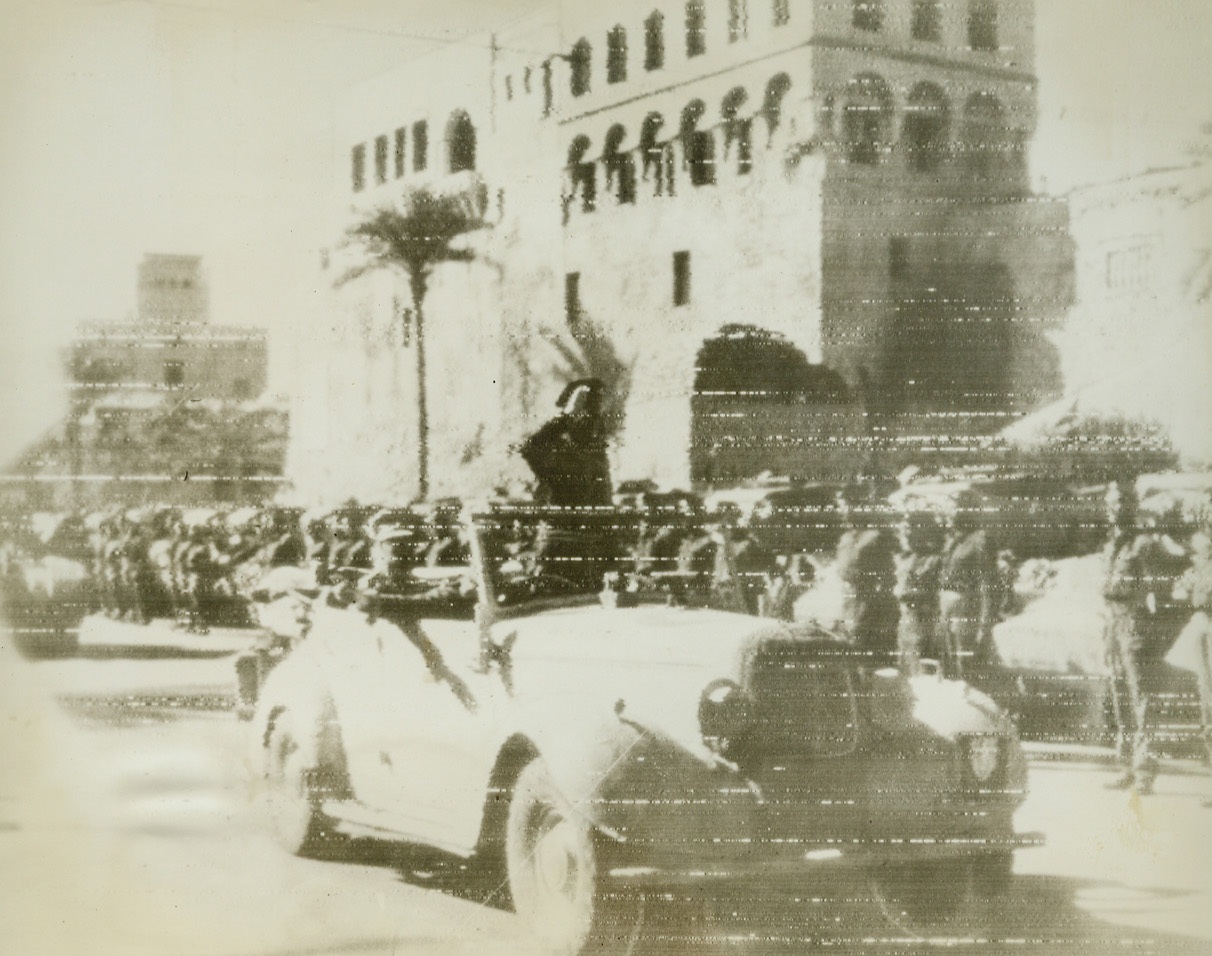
<point>1138,340</point>
<point>171,347</point>
<point>167,407</point>
<point>846,177</point>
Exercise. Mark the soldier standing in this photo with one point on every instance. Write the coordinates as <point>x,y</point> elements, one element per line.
<point>919,577</point>
<point>1140,577</point>
<point>969,586</point>
<point>866,564</point>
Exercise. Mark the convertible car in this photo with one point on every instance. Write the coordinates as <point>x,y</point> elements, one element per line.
<point>601,746</point>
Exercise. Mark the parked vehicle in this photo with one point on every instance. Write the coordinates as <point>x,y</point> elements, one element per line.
<point>597,748</point>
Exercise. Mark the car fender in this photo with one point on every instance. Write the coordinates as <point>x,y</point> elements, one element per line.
<point>642,788</point>
<point>297,687</point>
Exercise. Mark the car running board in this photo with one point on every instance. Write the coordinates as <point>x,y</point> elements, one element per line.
<point>355,819</point>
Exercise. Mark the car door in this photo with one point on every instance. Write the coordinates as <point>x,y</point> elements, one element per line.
<point>439,730</point>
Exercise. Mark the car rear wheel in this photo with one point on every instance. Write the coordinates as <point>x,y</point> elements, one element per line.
<point>554,878</point>
<point>929,899</point>
<point>292,799</point>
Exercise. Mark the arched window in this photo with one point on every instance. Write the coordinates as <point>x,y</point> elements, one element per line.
<point>616,55</point>
<point>620,165</point>
<point>867,14</point>
<point>696,28</point>
<point>867,119</point>
<point>698,146</point>
<point>984,134</point>
<point>579,64</point>
<point>654,41</point>
<point>653,155</point>
<point>737,129</point>
<point>460,142</point>
<point>924,131</point>
<point>772,102</point>
<point>582,173</point>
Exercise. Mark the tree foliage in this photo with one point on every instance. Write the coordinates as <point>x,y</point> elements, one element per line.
<point>414,236</point>
<point>745,361</point>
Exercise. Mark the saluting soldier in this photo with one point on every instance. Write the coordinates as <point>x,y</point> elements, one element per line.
<point>568,454</point>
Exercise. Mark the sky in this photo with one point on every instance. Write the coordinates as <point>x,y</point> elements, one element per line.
<point>204,126</point>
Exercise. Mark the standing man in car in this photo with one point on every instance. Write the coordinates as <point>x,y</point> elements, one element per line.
<point>568,453</point>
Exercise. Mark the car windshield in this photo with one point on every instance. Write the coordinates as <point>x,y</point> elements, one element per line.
<point>536,552</point>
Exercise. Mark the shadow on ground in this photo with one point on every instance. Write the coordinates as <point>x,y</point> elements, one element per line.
<point>1036,916</point>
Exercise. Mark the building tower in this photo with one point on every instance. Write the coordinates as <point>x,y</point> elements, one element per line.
<point>771,225</point>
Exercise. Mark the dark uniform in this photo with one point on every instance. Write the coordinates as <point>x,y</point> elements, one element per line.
<point>1141,571</point>
<point>866,564</point>
<point>568,454</point>
<point>969,586</point>
<point>919,580</point>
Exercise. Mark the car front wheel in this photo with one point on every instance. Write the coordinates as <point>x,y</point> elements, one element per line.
<point>930,899</point>
<point>291,798</point>
<point>554,878</point>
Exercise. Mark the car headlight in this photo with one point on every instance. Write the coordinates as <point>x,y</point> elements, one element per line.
<point>983,753</point>
<point>724,716</point>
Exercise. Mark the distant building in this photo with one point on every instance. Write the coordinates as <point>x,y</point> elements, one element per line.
<point>171,347</point>
<point>165,408</point>
<point>1138,340</point>
<point>848,177</point>
<point>172,290</point>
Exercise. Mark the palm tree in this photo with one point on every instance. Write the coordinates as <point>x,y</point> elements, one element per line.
<point>413,237</point>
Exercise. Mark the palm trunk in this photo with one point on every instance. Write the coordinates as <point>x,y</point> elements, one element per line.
<point>418,295</point>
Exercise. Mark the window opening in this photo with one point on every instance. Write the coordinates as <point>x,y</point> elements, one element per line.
<point>782,12</point>
<point>420,145</point>
<point>898,257</point>
<point>654,161</point>
<point>866,119</point>
<point>982,24</point>
<point>401,140</point>
<point>654,41</point>
<point>696,28</point>
<point>583,174</point>
<point>737,129</point>
<point>174,372</point>
<point>460,142</point>
<point>927,20</point>
<point>509,87</point>
<point>924,132</point>
<point>738,20</point>
<point>380,159</point>
<point>357,162</point>
<point>616,55</point>
<point>580,63</point>
<point>984,134</point>
<point>698,146</point>
<point>772,103</point>
<point>572,297</point>
<point>620,165</point>
<point>867,15</point>
<point>681,278</point>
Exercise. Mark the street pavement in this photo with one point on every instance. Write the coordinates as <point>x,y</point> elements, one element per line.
<point>128,828</point>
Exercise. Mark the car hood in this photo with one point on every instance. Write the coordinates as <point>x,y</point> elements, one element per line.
<point>648,664</point>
